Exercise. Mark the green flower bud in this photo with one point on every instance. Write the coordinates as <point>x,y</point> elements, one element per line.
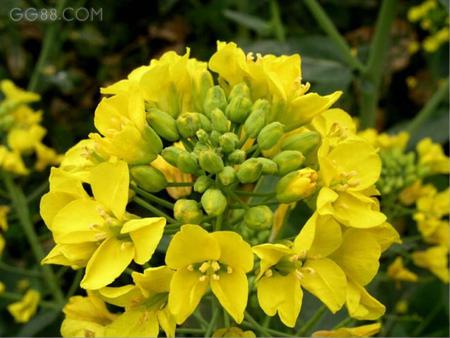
<point>296,185</point>
<point>164,124</point>
<point>270,135</point>
<point>200,89</point>
<point>215,98</point>
<point>235,215</point>
<point>227,176</point>
<point>148,178</point>
<point>249,171</point>
<point>219,121</point>
<point>214,137</point>
<point>205,123</point>
<point>228,142</point>
<point>202,183</point>
<point>237,157</point>
<point>171,154</point>
<point>187,162</point>
<point>199,147</point>
<point>241,89</point>
<point>238,109</point>
<point>152,140</point>
<point>304,142</point>
<point>257,118</point>
<point>187,211</point>
<point>214,202</point>
<point>258,218</point>
<point>188,124</point>
<point>288,161</point>
<point>202,136</point>
<point>210,161</point>
<point>269,167</point>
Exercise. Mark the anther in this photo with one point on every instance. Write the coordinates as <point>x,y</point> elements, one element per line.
<point>204,267</point>
<point>215,277</point>
<point>268,273</point>
<point>190,267</point>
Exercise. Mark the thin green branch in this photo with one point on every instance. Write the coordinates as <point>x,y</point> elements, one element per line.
<point>261,329</point>
<point>20,205</point>
<point>38,192</point>
<point>328,26</point>
<point>370,87</point>
<point>20,271</point>
<point>152,209</point>
<point>153,198</point>
<point>75,284</point>
<point>425,113</point>
<point>311,323</point>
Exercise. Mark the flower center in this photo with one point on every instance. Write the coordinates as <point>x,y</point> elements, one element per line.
<point>210,269</point>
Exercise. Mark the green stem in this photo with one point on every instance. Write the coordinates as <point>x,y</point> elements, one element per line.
<point>49,39</point>
<point>261,329</point>
<point>343,323</point>
<point>190,330</point>
<point>370,89</point>
<point>277,24</point>
<point>423,325</point>
<point>38,192</point>
<point>153,198</point>
<point>19,271</point>
<point>271,332</point>
<point>254,194</point>
<point>328,26</point>
<point>152,209</point>
<point>311,323</point>
<point>429,108</point>
<point>214,318</point>
<point>75,284</point>
<point>201,320</point>
<point>20,204</point>
<point>42,303</point>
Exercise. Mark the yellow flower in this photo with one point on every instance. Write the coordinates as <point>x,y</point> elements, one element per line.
<point>411,194</point>
<point>233,332</point>
<point>431,208</point>
<point>16,94</point>
<point>434,259</point>
<point>45,156</point>
<point>284,269</point>
<point>358,331</point>
<point>85,317</point>
<point>361,305</point>
<point>79,223</point>
<point>145,305</point>
<point>219,260</point>
<point>12,161</point>
<point>2,244</point>
<point>274,78</point>
<point>126,134</point>
<point>24,309</point>
<point>24,140</point>
<point>385,141</point>
<point>173,175</point>
<point>2,288</point>
<point>4,210</point>
<point>432,156</point>
<point>397,271</point>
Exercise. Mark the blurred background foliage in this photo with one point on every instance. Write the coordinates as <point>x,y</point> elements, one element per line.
<point>84,56</point>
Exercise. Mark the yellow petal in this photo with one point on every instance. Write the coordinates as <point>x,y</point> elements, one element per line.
<point>167,321</point>
<point>186,291</point>
<point>358,331</point>
<point>145,234</point>
<point>108,262</point>
<point>270,254</point>
<point>229,61</point>
<point>192,244</point>
<point>361,305</point>
<point>51,203</point>
<point>231,289</point>
<point>110,184</point>
<point>326,281</point>
<point>153,280</point>
<point>25,308</point>
<point>281,294</point>
<point>122,296</point>
<point>234,251</point>
<point>134,323</point>
<point>358,256</point>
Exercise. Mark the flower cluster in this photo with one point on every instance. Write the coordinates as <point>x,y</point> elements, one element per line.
<point>409,189</point>
<point>204,175</point>
<point>22,133</point>
<point>433,20</point>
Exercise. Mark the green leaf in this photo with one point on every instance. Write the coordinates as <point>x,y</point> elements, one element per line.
<point>252,22</point>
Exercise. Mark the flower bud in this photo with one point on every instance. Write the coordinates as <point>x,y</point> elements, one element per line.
<point>202,183</point>
<point>188,124</point>
<point>205,123</point>
<point>227,176</point>
<point>249,171</point>
<point>214,137</point>
<point>241,89</point>
<point>304,142</point>
<point>214,202</point>
<point>199,147</point>
<point>237,157</point>
<point>187,211</point>
<point>164,124</point>
<point>257,118</point>
<point>270,135</point>
<point>152,139</point>
<point>228,142</point>
<point>269,167</point>
<point>202,136</point>
<point>238,109</point>
<point>296,185</point>
<point>170,154</point>
<point>258,218</point>
<point>288,161</point>
<point>187,162</point>
<point>148,178</point>
<point>219,121</point>
<point>215,98</point>
<point>210,161</point>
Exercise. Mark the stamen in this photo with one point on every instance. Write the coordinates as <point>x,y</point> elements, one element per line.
<point>190,267</point>
<point>299,275</point>
<point>215,266</point>
<point>268,273</point>
<point>204,267</point>
<point>215,277</point>
<point>229,269</point>
<point>202,278</point>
